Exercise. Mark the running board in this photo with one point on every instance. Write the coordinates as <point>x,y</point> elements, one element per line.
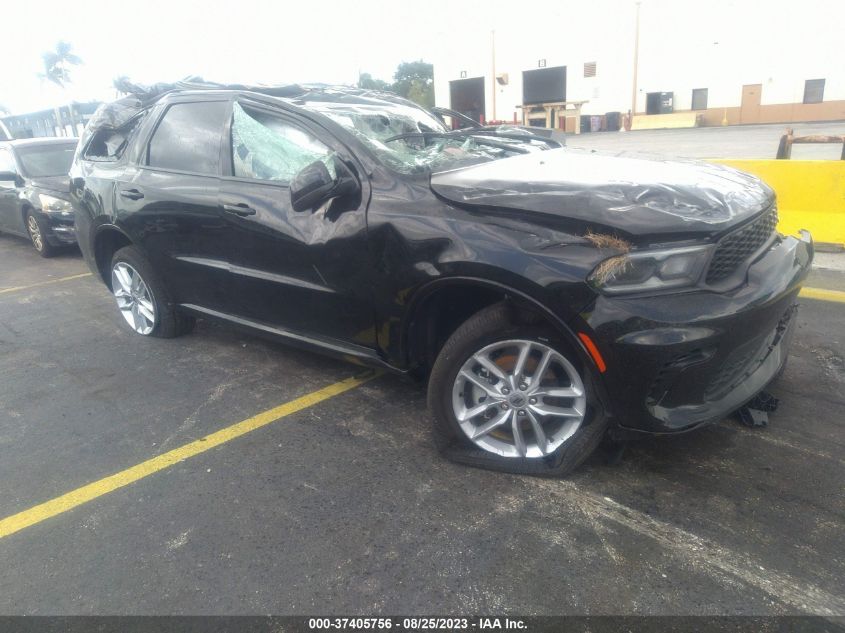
<point>356,352</point>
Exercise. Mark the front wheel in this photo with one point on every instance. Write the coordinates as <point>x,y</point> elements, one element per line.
<point>37,230</point>
<point>512,397</point>
<point>142,298</point>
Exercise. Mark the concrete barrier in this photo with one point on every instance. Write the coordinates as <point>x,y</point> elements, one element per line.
<point>673,120</point>
<point>811,194</point>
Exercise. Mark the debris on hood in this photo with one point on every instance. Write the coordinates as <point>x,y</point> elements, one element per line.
<point>603,240</point>
<point>611,266</point>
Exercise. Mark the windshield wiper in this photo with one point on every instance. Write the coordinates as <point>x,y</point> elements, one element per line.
<point>457,115</point>
<point>476,127</point>
<point>477,137</point>
<point>519,136</point>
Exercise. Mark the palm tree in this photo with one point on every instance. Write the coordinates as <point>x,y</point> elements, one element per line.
<point>57,65</point>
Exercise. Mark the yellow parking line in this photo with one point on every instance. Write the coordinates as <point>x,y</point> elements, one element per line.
<point>44,283</point>
<point>824,295</point>
<point>91,491</point>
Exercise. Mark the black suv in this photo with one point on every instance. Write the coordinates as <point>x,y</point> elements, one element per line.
<point>549,295</point>
<point>34,199</point>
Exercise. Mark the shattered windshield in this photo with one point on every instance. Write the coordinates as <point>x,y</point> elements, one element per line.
<point>427,146</point>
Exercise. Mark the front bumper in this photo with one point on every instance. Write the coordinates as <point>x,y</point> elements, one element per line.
<point>61,229</point>
<point>675,362</point>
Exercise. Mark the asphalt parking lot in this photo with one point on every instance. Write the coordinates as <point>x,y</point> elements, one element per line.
<point>344,506</point>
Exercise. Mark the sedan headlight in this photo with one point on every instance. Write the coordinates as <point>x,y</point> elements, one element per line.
<point>51,204</point>
<point>651,270</point>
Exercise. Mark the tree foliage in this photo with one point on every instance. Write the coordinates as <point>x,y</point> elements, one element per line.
<point>412,80</point>
<point>367,82</point>
<point>415,81</point>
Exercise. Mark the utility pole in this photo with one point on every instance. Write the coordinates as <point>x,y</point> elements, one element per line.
<point>636,60</point>
<point>493,82</point>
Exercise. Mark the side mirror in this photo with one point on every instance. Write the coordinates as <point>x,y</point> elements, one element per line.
<point>8,176</point>
<point>314,185</point>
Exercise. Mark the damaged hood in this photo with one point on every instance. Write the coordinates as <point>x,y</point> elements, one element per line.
<point>640,195</point>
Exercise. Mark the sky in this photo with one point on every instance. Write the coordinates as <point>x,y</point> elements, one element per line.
<point>328,41</point>
<point>272,42</point>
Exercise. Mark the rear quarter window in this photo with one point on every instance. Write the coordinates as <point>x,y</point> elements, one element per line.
<point>108,144</point>
<point>188,137</point>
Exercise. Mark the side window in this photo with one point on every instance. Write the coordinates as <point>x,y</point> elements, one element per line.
<point>265,147</point>
<point>109,144</point>
<point>188,137</point>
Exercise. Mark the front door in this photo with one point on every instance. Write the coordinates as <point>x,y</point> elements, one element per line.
<point>749,111</point>
<point>300,271</point>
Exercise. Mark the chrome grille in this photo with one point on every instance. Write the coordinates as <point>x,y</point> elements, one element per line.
<point>735,249</point>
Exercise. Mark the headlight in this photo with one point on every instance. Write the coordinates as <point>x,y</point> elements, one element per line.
<point>651,270</point>
<point>49,204</point>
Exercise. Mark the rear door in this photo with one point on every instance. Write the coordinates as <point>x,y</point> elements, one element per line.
<point>168,202</point>
<point>304,271</point>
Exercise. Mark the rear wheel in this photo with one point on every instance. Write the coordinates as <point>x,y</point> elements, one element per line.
<point>37,231</point>
<point>512,397</point>
<point>142,298</point>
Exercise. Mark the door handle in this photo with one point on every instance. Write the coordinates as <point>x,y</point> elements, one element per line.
<point>132,194</point>
<point>241,209</point>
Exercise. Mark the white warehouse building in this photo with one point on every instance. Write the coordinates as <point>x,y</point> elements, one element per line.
<point>673,63</point>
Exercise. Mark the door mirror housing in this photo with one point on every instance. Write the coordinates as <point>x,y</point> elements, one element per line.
<point>9,176</point>
<point>313,185</point>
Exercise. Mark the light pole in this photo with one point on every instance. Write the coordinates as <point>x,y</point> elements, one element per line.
<point>636,60</point>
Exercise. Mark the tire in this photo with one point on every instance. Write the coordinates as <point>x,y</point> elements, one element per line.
<point>37,231</point>
<point>167,321</point>
<point>564,449</point>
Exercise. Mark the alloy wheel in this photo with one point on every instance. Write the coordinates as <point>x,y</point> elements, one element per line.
<point>34,233</point>
<point>134,298</point>
<point>518,398</point>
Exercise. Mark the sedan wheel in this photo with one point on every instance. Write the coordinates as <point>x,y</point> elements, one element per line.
<point>38,231</point>
<point>34,233</point>
<point>134,298</point>
<point>518,398</point>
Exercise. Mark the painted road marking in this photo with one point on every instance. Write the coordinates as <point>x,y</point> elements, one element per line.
<point>44,283</point>
<point>824,295</point>
<point>89,492</point>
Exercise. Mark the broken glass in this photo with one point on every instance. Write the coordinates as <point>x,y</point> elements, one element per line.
<point>266,147</point>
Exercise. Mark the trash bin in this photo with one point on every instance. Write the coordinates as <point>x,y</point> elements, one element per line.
<point>595,124</point>
<point>613,121</point>
<point>585,123</point>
